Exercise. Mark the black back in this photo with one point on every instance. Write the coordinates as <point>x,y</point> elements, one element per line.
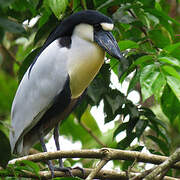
<point>66,27</point>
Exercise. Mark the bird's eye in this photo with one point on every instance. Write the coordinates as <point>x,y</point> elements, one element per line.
<point>97,27</point>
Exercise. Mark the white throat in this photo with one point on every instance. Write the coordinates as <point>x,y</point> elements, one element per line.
<point>84,31</point>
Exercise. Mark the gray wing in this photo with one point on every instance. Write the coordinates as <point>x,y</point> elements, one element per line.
<point>36,92</point>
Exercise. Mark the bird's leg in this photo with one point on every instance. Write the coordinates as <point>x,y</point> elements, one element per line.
<point>49,162</point>
<point>56,139</point>
<point>61,167</point>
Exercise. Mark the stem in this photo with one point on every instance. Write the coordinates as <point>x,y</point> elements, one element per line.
<point>9,54</point>
<point>97,169</point>
<point>92,134</point>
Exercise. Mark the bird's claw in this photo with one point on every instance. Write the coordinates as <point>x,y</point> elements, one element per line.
<point>81,169</point>
<point>65,170</point>
<point>69,170</point>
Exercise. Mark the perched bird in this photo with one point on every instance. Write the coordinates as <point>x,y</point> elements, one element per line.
<point>57,79</point>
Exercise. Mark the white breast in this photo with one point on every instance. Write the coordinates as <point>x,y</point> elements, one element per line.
<point>85,58</point>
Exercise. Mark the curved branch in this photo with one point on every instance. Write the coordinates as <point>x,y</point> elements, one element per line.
<point>109,153</point>
<point>103,174</point>
<point>170,161</point>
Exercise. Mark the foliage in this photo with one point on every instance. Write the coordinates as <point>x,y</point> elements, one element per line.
<point>148,37</point>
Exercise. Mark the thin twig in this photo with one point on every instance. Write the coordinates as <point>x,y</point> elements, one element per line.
<point>130,167</point>
<point>93,173</point>
<point>162,174</point>
<point>142,174</point>
<point>10,54</point>
<point>92,134</point>
<point>105,4</point>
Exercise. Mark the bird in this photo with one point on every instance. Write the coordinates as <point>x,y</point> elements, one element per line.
<point>56,82</point>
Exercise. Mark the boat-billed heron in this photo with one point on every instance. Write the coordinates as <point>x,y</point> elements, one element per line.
<point>58,77</point>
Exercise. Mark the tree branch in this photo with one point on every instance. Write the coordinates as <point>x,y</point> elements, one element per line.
<point>167,164</point>
<point>111,154</point>
<point>102,174</point>
<point>97,169</point>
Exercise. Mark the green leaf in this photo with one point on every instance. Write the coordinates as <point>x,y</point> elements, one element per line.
<point>120,128</point>
<point>170,104</point>
<point>170,60</point>
<point>162,145</point>
<point>45,29</point>
<point>5,150</point>
<point>30,166</point>
<point>124,143</point>
<point>122,16</point>
<point>58,7</point>
<point>11,26</point>
<point>159,38</point>
<point>8,88</point>
<point>158,6</point>
<point>132,109</point>
<point>80,109</point>
<point>174,84</point>
<point>169,70</point>
<point>5,3</point>
<point>148,75</point>
<point>133,82</point>
<point>149,114</point>
<point>44,18</point>
<point>27,62</point>
<point>127,44</point>
<point>139,61</point>
<point>171,47</point>
<point>95,90</point>
<point>89,121</point>
<point>114,65</point>
<point>115,102</point>
<point>164,20</point>
<point>142,59</point>
<point>1,34</point>
<point>140,127</point>
<point>100,84</point>
<point>72,129</point>
<point>162,15</point>
<point>158,86</point>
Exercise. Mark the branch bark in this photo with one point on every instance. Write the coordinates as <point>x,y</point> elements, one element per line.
<point>111,154</point>
<point>97,169</point>
<point>102,174</point>
<point>170,161</point>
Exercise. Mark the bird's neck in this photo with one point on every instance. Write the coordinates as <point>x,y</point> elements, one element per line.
<point>84,62</point>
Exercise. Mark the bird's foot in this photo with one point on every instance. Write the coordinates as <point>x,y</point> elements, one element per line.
<point>68,170</point>
<point>64,169</point>
<point>81,169</point>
